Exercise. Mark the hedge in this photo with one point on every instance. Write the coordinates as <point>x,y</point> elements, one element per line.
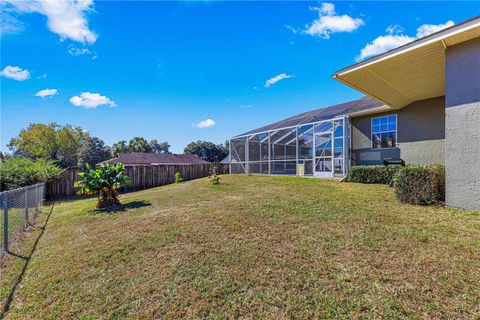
<point>372,174</point>
<point>21,172</point>
<point>421,184</point>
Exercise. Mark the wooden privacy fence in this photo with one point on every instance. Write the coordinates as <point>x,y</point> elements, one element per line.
<point>142,177</point>
<point>61,185</point>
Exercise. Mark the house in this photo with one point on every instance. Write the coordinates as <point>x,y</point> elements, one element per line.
<point>422,105</point>
<point>139,158</point>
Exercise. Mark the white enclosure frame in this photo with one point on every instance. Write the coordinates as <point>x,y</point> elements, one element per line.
<point>266,165</point>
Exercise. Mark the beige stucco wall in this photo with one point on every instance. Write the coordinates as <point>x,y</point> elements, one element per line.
<point>420,135</point>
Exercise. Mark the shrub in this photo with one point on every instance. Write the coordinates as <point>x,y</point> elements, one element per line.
<point>213,178</point>
<point>372,174</point>
<point>178,177</point>
<point>21,172</point>
<point>421,184</point>
<point>104,180</point>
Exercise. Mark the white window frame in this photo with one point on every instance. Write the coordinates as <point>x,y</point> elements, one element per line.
<point>396,132</point>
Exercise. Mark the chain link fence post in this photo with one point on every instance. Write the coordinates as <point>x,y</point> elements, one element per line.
<point>5,221</point>
<point>37,191</point>
<point>26,207</point>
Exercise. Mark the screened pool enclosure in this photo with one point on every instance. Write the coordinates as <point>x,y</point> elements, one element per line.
<point>318,149</point>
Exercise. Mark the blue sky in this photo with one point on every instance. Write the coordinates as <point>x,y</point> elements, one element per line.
<point>186,71</point>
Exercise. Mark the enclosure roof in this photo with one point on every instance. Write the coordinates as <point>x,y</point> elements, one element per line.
<point>412,72</point>
<point>325,113</point>
<point>139,158</point>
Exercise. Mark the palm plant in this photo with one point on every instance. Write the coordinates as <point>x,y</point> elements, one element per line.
<point>213,178</point>
<point>104,180</point>
<point>178,177</point>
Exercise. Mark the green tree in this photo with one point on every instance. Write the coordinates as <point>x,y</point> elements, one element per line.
<point>93,151</point>
<point>60,144</point>
<point>119,147</point>
<point>70,140</point>
<point>139,144</point>
<point>156,147</point>
<point>207,151</point>
<point>37,141</point>
<point>103,180</point>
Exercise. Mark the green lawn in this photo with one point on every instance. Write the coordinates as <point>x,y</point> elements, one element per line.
<point>16,223</point>
<point>253,247</point>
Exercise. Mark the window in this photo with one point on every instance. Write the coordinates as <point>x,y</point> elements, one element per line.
<point>384,132</point>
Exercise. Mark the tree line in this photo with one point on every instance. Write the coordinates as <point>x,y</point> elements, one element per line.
<point>68,146</point>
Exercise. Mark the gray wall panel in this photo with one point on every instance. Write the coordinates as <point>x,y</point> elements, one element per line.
<point>420,134</point>
<point>462,135</point>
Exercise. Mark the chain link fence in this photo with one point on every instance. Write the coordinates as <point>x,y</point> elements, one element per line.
<point>19,209</point>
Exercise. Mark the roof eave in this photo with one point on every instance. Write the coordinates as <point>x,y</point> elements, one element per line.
<point>437,36</point>
<point>351,85</point>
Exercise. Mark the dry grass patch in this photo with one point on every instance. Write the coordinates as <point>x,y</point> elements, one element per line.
<point>255,247</point>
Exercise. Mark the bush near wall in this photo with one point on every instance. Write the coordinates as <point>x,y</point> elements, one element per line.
<point>421,184</point>
<point>372,174</point>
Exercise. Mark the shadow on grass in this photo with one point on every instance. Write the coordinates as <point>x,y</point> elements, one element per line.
<point>68,199</point>
<point>123,207</point>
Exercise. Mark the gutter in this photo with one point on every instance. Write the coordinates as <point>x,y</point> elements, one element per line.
<point>370,111</point>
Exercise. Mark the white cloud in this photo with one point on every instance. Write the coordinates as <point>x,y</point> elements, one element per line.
<point>207,123</point>
<point>43,76</point>
<point>245,106</point>
<point>270,82</point>
<point>426,29</point>
<point>67,18</point>
<point>9,24</point>
<point>91,100</point>
<point>329,22</point>
<point>395,29</point>
<point>15,73</point>
<point>46,92</point>
<point>382,44</point>
<point>79,51</point>
<point>74,51</point>
<point>327,8</point>
<point>395,38</point>
<point>289,27</point>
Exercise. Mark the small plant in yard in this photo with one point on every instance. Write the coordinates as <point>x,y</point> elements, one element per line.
<point>214,178</point>
<point>178,177</point>
<point>104,180</point>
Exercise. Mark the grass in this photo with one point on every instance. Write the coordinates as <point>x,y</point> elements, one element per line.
<point>16,223</point>
<point>253,247</point>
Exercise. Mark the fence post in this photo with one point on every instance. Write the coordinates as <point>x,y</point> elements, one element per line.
<point>5,221</point>
<point>37,189</point>
<point>26,207</point>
